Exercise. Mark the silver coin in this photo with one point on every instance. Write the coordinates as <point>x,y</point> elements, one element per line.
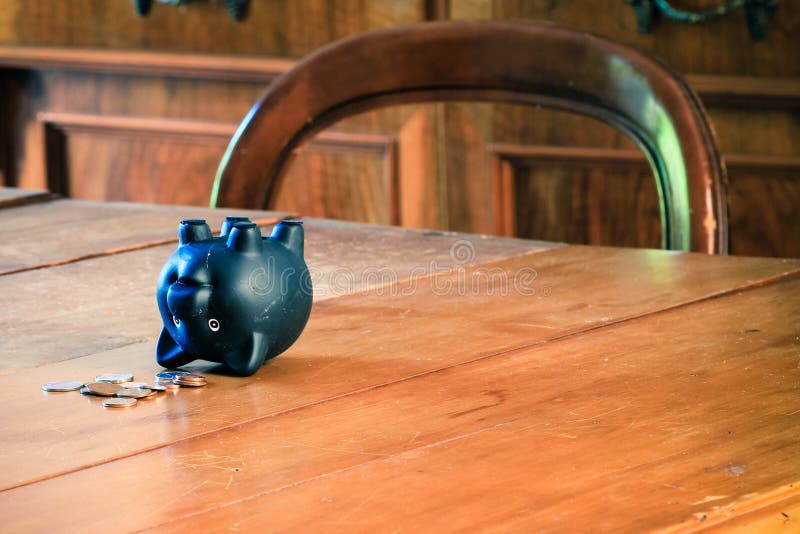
<point>119,402</point>
<point>133,384</point>
<point>67,385</point>
<point>134,393</point>
<point>114,378</point>
<point>155,387</point>
<point>169,375</point>
<point>102,389</point>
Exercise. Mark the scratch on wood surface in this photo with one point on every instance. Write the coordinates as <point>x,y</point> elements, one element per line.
<point>205,459</point>
<point>327,475</point>
<point>710,498</point>
<point>334,449</point>
<point>534,325</point>
<point>617,409</point>
<point>179,497</point>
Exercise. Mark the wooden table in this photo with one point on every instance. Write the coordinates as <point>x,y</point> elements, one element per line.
<point>444,382</point>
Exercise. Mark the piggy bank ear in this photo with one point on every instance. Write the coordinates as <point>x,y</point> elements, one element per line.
<point>227,226</point>
<point>192,230</point>
<point>245,237</point>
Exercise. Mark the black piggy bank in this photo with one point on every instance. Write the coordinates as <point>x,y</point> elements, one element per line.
<point>237,299</point>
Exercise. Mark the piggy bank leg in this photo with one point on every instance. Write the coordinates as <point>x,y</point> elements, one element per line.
<point>169,354</point>
<point>247,361</point>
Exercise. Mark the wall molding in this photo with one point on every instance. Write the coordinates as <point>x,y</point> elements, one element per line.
<point>144,63</point>
<point>714,90</point>
<point>746,91</point>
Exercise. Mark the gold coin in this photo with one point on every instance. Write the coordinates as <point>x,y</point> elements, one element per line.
<point>190,378</point>
<point>102,389</point>
<point>119,402</point>
<point>172,387</point>
<point>191,384</point>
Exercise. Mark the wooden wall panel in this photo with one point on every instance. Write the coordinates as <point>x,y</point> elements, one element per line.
<point>99,157</point>
<point>467,170</point>
<point>719,47</point>
<point>597,196</point>
<point>286,28</point>
<point>765,206</point>
<point>344,176</point>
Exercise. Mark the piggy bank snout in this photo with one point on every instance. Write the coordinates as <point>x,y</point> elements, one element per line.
<point>185,301</point>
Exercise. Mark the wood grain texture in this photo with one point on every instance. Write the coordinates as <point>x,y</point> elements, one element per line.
<point>616,435</point>
<point>601,197</point>
<point>171,161</point>
<point>650,423</point>
<point>606,196</point>
<point>282,28</point>
<point>387,334</point>
<point>64,231</point>
<point>345,176</point>
<point>700,51</point>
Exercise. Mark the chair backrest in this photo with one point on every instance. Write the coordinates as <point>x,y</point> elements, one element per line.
<point>501,61</point>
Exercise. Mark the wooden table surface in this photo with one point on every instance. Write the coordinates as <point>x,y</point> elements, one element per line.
<point>443,382</point>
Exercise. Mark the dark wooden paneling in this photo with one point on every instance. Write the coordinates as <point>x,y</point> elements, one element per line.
<point>124,158</point>
<point>599,197</point>
<point>765,206</point>
<point>272,28</point>
<point>344,176</point>
<point>608,197</point>
<point>719,47</point>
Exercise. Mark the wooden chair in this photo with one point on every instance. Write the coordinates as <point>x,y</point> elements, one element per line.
<point>501,61</point>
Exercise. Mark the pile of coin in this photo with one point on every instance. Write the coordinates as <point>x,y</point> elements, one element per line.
<point>122,392</point>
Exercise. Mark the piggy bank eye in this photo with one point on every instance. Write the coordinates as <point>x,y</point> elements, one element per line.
<point>176,321</point>
<point>213,324</point>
